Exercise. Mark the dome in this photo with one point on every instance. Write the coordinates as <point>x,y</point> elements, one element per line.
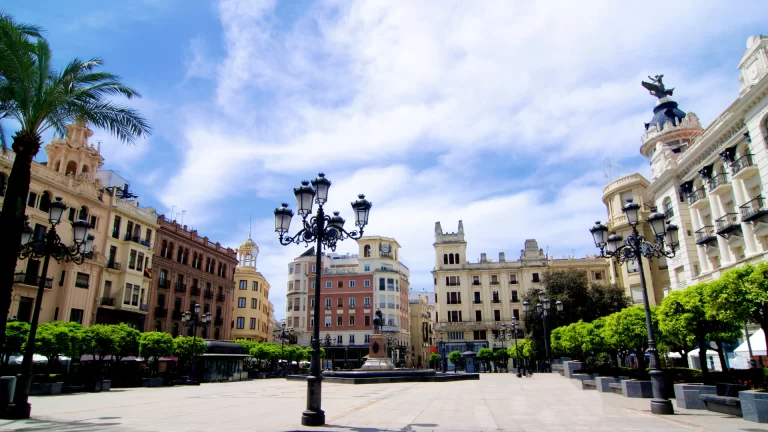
<point>248,244</point>
<point>665,111</point>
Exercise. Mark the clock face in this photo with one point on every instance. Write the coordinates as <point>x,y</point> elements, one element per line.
<point>385,248</point>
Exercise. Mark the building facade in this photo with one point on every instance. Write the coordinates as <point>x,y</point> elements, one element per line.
<point>190,270</point>
<point>473,299</point>
<point>353,287</point>
<point>421,327</point>
<point>710,182</point>
<point>251,299</point>
<point>615,195</point>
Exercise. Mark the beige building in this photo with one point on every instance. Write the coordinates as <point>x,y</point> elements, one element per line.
<point>634,187</point>
<point>474,299</point>
<point>421,328</point>
<point>251,300</point>
<point>74,292</point>
<point>710,182</point>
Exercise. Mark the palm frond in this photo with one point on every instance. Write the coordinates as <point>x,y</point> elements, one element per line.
<point>123,122</point>
<point>27,30</point>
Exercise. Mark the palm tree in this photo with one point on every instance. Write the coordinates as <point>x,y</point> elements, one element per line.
<point>40,98</point>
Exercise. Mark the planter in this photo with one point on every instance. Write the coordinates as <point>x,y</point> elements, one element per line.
<point>687,395</point>
<point>152,382</point>
<point>570,367</point>
<point>754,405</point>
<point>106,385</point>
<point>7,390</point>
<point>602,384</point>
<point>47,388</point>
<point>636,389</point>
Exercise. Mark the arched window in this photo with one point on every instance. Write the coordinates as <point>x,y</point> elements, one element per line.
<point>367,251</point>
<point>450,258</point>
<point>208,265</point>
<point>213,266</point>
<point>180,255</point>
<point>186,256</point>
<point>2,184</point>
<point>164,250</point>
<point>45,201</point>
<point>445,258</point>
<point>86,169</point>
<point>224,271</point>
<point>170,251</point>
<point>71,168</point>
<point>83,214</point>
<point>457,259</point>
<point>175,331</point>
<point>667,204</point>
<point>194,259</point>
<point>58,166</point>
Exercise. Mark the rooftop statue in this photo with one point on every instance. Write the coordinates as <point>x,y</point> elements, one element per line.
<point>656,87</point>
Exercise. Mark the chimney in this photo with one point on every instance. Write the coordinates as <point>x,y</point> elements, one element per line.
<point>483,258</point>
<point>502,257</point>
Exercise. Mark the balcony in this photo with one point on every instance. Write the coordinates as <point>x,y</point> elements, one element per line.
<point>477,301</point>
<point>107,301</point>
<point>195,290</point>
<point>31,279</point>
<point>220,297</point>
<point>475,282</point>
<point>218,321</point>
<point>668,213</point>
<point>176,314</point>
<point>697,196</point>
<point>468,325</point>
<point>718,183</point>
<point>495,301</point>
<point>161,312</point>
<point>705,235</point>
<point>513,282</point>
<point>180,287</point>
<point>79,284</point>
<point>144,308</point>
<point>754,209</point>
<point>164,283</point>
<point>208,294</point>
<point>390,305</point>
<point>494,282</point>
<point>728,224</point>
<point>741,166</point>
<point>116,234</point>
<point>515,299</point>
<point>112,265</point>
<point>352,306</point>
<point>452,284</point>
<point>535,280</point>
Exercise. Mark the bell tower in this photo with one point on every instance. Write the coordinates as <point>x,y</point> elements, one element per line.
<point>73,155</point>
<point>247,254</point>
<point>450,248</point>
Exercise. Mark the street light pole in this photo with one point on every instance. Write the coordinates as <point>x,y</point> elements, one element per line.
<point>634,248</point>
<point>194,319</point>
<point>514,327</point>
<point>325,231</point>
<point>46,247</point>
<point>542,308</point>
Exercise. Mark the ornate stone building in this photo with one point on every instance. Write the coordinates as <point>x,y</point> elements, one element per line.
<point>474,299</point>
<point>190,270</point>
<point>251,299</point>
<point>421,327</point>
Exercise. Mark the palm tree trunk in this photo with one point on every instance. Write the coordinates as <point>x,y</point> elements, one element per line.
<point>26,146</point>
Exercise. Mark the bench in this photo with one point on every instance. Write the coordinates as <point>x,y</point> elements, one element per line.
<point>588,385</point>
<point>636,389</point>
<point>687,395</point>
<point>558,368</point>
<point>616,388</point>
<point>730,405</point>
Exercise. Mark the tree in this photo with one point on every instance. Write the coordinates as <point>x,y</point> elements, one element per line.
<point>457,360</point>
<point>99,341</point>
<point>152,346</point>
<point>40,98</point>
<point>182,347</point>
<point>435,359</point>
<point>57,338</point>
<point>126,340</point>
<point>687,311</point>
<point>743,296</point>
<point>485,355</point>
<point>16,334</point>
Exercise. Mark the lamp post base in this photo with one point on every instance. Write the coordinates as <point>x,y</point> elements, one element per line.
<point>313,415</point>
<point>662,407</point>
<point>313,418</point>
<point>18,411</point>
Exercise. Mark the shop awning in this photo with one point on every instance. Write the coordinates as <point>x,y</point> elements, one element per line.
<point>757,340</point>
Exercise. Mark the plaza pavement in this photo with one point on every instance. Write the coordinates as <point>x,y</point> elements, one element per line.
<point>544,402</point>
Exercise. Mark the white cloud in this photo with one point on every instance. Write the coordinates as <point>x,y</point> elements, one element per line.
<point>404,101</point>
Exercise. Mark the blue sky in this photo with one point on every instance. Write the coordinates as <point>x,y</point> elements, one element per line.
<point>498,113</point>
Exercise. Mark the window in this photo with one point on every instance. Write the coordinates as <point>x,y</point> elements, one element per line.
<point>479,335</point>
<point>495,296</point>
<point>339,339</point>
<point>367,302</point>
<point>32,199</point>
<point>253,323</point>
<point>328,284</point>
<point>254,286</point>
<point>240,322</point>
<point>367,322</point>
<point>314,269</point>
<point>339,321</point>
<point>327,321</point>
<point>598,275</point>
<point>312,322</point>
<point>352,303</point>
<point>452,281</point>
<point>243,284</point>
<point>535,278</point>
<point>497,315</point>
<point>312,303</point>
<point>340,284</point>
<point>366,283</point>
<point>516,313</point>
<point>453,297</point>
<point>140,262</point>
<point>637,293</point>
<point>71,216</point>
<point>82,280</point>
<point>61,280</point>
<point>514,297</point>
<point>512,279</point>
<point>254,303</point>
<point>290,269</point>
<point>328,303</point>
<point>313,285</point>
<point>475,280</point>
<point>367,251</point>
<point>367,337</point>
<point>455,335</point>
<point>351,320</point>
<point>76,315</point>
<point>366,267</point>
<point>632,266</point>
<point>351,284</point>
<point>132,260</point>
<point>241,302</point>
<point>351,338</point>
<point>382,284</point>
<point>478,315</point>
<point>454,316</point>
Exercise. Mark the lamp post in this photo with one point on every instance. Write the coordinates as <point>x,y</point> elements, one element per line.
<point>542,308</point>
<point>513,328</point>
<point>328,344</point>
<point>282,334</point>
<point>635,247</point>
<point>325,231</point>
<point>47,246</point>
<point>194,319</point>
<point>444,358</point>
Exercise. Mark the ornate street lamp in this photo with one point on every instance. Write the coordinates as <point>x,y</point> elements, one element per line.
<point>325,231</point>
<point>194,319</point>
<point>47,246</point>
<point>328,344</point>
<point>543,308</point>
<point>634,248</point>
<point>284,335</point>
<point>513,327</point>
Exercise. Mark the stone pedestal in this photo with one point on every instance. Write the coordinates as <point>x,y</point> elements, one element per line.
<point>377,354</point>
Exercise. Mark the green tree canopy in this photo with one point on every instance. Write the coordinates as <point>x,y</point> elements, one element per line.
<point>523,349</point>
<point>58,338</point>
<point>16,334</point>
<point>435,359</point>
<point>153,345</point>
<point>456,358</point>
<point>484,355</point>
<point>182,347</point>
<point>743,296</point>
<point>100,340</point>
<point>126,341</point>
